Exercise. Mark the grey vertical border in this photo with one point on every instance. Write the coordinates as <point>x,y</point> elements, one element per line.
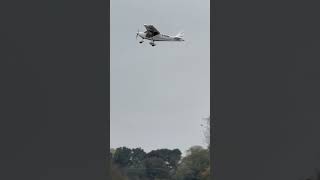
<point>212,85</point>
<point>107,57</point>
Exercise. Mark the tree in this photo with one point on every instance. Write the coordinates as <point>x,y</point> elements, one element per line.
<point>171,157</point>
<point>174,158</point>
<point>122,157</point>
<point>156,168</point>
<point>135,164</point>
<point>137,169</point>
<point>116,173</point>
<point>161,163</point>
<point>195,165</point>
<point>137,156</point>
<point>205,175</point>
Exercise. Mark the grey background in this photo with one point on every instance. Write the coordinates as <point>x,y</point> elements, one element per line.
<point>159,95</point>
<point>54,90</point>
<point>267,86</point>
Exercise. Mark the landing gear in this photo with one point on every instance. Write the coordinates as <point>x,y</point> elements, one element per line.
<point>141,41</point>
<point>152,43</point>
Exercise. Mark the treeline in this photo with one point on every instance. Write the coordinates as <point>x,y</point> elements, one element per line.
<point>161,164</point>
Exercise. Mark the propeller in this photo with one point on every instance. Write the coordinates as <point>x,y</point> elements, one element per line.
<point>137,34</point>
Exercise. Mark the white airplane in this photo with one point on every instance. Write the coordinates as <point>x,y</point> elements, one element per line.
<point>153,35</point>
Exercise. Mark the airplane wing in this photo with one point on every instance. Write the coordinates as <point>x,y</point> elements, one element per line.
<point>151,29</point>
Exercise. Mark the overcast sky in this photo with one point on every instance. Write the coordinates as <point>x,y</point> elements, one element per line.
<point>159,95</point>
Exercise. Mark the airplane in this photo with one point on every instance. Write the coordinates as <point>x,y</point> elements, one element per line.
<point>153,35</point>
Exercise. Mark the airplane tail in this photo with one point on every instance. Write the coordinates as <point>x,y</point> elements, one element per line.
<point>180,34</point>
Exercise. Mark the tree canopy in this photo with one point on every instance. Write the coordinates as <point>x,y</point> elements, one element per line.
<point>136,164</point>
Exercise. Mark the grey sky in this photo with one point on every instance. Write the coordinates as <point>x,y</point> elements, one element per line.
<point>159,95</point>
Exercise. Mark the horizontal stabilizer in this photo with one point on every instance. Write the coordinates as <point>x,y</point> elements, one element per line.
<point>180,35</point>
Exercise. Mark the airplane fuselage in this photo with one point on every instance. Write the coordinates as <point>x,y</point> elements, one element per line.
<point>159,37</point>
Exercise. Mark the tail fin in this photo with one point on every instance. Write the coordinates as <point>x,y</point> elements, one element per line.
<point>180,34</point>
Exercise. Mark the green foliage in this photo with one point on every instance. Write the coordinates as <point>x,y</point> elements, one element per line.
<point>156,168</point>
<point>137,157</point>
<point>195,166</point>
<point>135,164</point>
<point>122,157</point>
<point>170,157</point>
<point>116,173</point>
